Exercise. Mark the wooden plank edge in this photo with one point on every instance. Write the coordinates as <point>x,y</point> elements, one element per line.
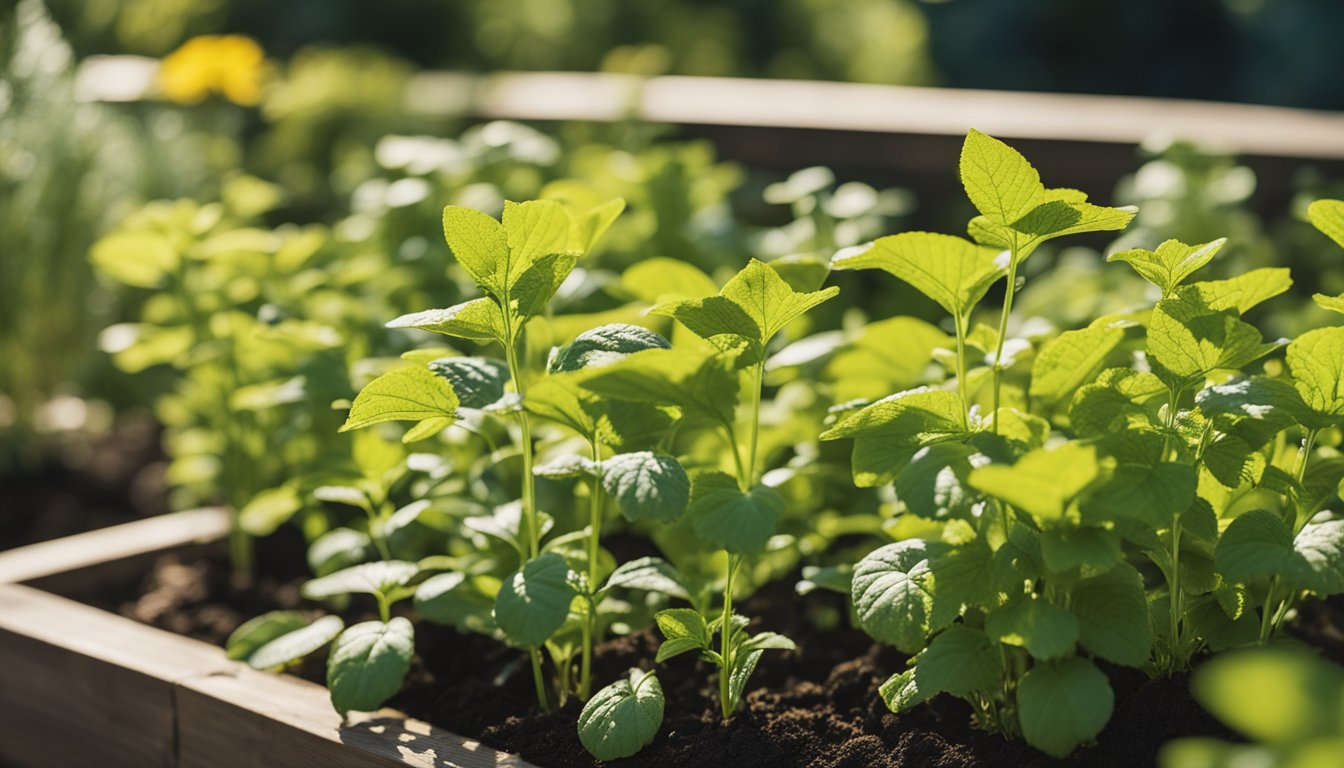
<point>107,545</point>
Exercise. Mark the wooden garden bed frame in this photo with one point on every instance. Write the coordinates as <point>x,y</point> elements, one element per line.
<point>82,686</point>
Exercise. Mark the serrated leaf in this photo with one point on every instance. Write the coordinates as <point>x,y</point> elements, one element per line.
<point>1062,704</point>
<point>476,381</point>
<point>1000,182</point>
<point>406,394</point>
<point>1044,629</point>
<point>1043,482</point>
<point>1064,549</point>
<point>1320,546</point>
<point>1328,217</point>
<point>1188,339</point>
<point>477,320</point>
<point>892,593</point>
<point>256,632</point>
<point>755,304</point>
<point>1316,359</point>
<point>647,485</point>
<point>480,244</point>
<point>605,345</point>
<point>934,485</point>
<point>1153,495</point>
<point>539,282</point>
<point>1113,618</point>
<point>649,574</point>
<point>1171,263</point>
<point>533,602</point>
<point>623,717</point>
<point>951,271</point>
<point>368,664</point>
<point>1254,545</point>
<point>959,661</point>
<point>1244,291</point>
<point>1260,398</point>
<point>367,578</point>
<point>707,384</point>
<point>726,517</point>
<point>1070,359</point>
<point>889,432</point>
<point>296,644</point>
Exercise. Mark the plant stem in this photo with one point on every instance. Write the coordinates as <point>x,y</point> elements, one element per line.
<point>1003,328</point>
<point>725,640</point>
<point>1176,598</point>
<point>538,680</point>
<point>1272,612</point>
<point>594,544</point>
<point>960,322</point>
<point>755,423</point>
<point>384,607</point>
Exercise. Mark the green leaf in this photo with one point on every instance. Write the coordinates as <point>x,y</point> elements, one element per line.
<point>1331,303</point>
<point>649,574</point>
<point>476,381</point>
<point>767,641</point>
<point>477,320</point>
<point>726,517</point>
<point>1188,339</point>
<point>1171,263</point>
<point>1328,217</point>
<point>1260,398</point>
<point>481,245</point>
<point>337,549</point>
<point>254,633</point>
<point>901,693</point>
<point>1153,495</point>
<point>1064,549</point>
<point>406,394</point>
<point>536,229</point>
<point>647,485</point>
<point>1316,359</point>
<point>269,510</point>
<point>594,223</point>
<point>1044,629</point>
<point>295,644</point>
<point>707,384</point>
<point>533,602</point>
<point>454,599</point>
<point>952,271</point>
<point>743,665</point>
<point>623,717</point>
<point>960,661</point>
<point>1062,704</point>
<point>1070,359</point>
<point>539,282</point>
<point>605,345</point>
<point>889,432</point>
<point>137,259</point>
<point>368,664</point>
<point>377,578</point>
<point>934,485</point>
<point>1244,291</point>
<point>1113,618</point>
<point>1254,545</point>
<point>1000,182</point>
<point>683,630</point>
<point>562,400</point>
<point>1321,549</point>
<point>1276,696</point>
<point>659,278</point>
<point>1043,482</point>
<point>892,593</point>
<point>756,304</point>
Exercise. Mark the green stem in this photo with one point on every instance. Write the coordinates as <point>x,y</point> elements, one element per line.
<point>539,680</point>
<point>755,424</point>
<point>384,607</point>
<point>1267,611</point>
<point>1176,597</point>
<point>1273,612</point>
<point>594,544</point>
<point>1003,328</point>
<point>725,640</point>
<point>960,323</point>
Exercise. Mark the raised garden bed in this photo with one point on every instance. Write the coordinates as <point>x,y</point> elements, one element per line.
<point>97,688</point>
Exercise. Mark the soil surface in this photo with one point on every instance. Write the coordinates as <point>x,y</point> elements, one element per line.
<point>817,707</point>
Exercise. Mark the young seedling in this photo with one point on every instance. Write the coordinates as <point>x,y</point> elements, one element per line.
<point>733,513</point>
<point>519,263</point>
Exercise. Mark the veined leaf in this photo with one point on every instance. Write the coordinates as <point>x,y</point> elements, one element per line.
<point>1000,182</point>
<point>1316,359</point>
<point>1068,360</point>
<point>649,574</point>
<point>934,484</point>
<point>477,381</point>
<point>901,692</point>
<point>1043,482</point>
<point>1328,217</point>
<point>296,643</point>
<point>477,320</point>
<point>726,517</point>
<point>1244,291</point>
<point>623,717</point>
<point>533,602</point>
<point>647,485</point>
<point>1260,544</point>
<point>1062,704</point>
<point>605,345</point>
<point>696,381</point>
<point>406,394</point>
<point>375,578</point>
<point>1259,398</point>
<point>683,630</point>
<point>653,280</point>
<point>562,400</point>
<point>952,271</point>
<point>1113,617</point>
<point>1171,263</point>
<point>368,664</point>
<point>539,282</point>
<point>1331,303</point>
<point>1188,338</point>
<point>1044,629</point>
<point>959,661</point>
<point>889,432</point>
<point>254,633</point>
<point>892,591</point>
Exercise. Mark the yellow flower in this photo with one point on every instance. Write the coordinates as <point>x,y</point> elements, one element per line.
<point>231,65</point>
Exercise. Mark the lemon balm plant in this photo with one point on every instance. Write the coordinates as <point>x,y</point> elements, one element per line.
<point>1132,445</point>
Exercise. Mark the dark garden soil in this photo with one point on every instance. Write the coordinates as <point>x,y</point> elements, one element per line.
<point>81,483</point>
<point>817,707</point>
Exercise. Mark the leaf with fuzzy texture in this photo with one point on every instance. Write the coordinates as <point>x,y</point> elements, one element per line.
<point>605,345</point>
<point>406,394</point>
<point>1069,359</point>
<point>533,602</point>
<point>892,591</point>
<point>477,381</point>
<point>889,432</point>
<point>1316,359</point>
<point>1171,263</point>
<point>726,517</point>
<point>368,664</point>
<point>476,320</point>
<point>623,717</point>
<point>647,485</point>
<point>951,271</point>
